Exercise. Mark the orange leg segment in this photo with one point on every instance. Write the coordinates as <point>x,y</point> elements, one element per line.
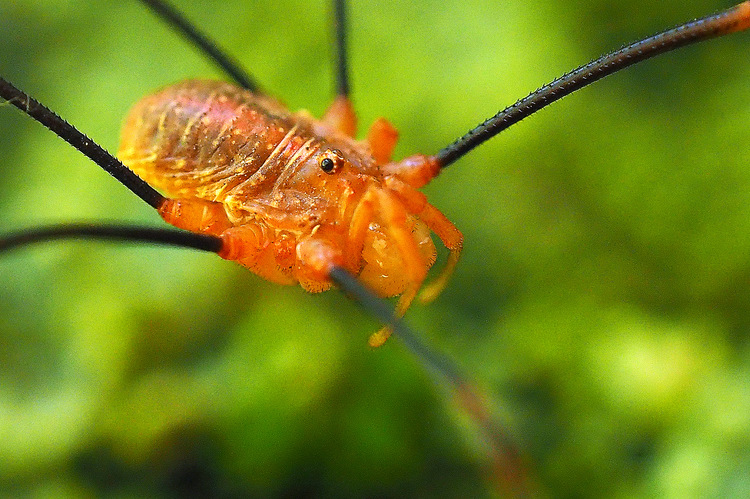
<point>252,245</point>
<point>452,239</point>
<point>255,246</point>
<point>358,227</point>
<point>394,217</point>
<point>416,202</point>
<point>316,256</point>
<point>195,215</point>
<point>415,171</point>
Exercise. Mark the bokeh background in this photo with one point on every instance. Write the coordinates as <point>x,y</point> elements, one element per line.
<point>603,300</point>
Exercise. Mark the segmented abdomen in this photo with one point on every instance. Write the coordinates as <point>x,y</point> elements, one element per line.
<point>203,138</point>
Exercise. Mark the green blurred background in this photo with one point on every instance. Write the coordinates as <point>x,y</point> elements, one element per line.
<point>603,300</point>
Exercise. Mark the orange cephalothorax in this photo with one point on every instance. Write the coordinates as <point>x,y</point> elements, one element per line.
<point>290,196</point>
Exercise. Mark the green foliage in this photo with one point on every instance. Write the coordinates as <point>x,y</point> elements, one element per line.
<point>603,298</point>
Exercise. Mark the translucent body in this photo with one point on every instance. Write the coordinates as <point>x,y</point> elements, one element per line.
<point>290,196</point>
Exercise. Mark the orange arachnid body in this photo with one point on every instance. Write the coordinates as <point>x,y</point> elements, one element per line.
<point>290,196</point>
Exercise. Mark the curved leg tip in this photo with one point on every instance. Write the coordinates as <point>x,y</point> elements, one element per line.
<point>379,338</point>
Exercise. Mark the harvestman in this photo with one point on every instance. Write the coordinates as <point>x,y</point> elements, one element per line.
<point>300,200</point>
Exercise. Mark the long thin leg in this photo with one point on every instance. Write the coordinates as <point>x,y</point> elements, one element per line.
<point>444,370</point>
<point>72,136</point>
<point>507,462</point>
<point>342,59</point>
<point>729,21</point>
<point>341,113</point>
<point>150,235</point>
<point>179,23</point>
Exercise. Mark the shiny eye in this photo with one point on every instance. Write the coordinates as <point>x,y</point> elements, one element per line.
<point>331,161</point>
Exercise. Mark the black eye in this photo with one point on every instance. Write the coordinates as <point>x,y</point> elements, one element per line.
<point>326,164</point>
<point>331,161</point>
